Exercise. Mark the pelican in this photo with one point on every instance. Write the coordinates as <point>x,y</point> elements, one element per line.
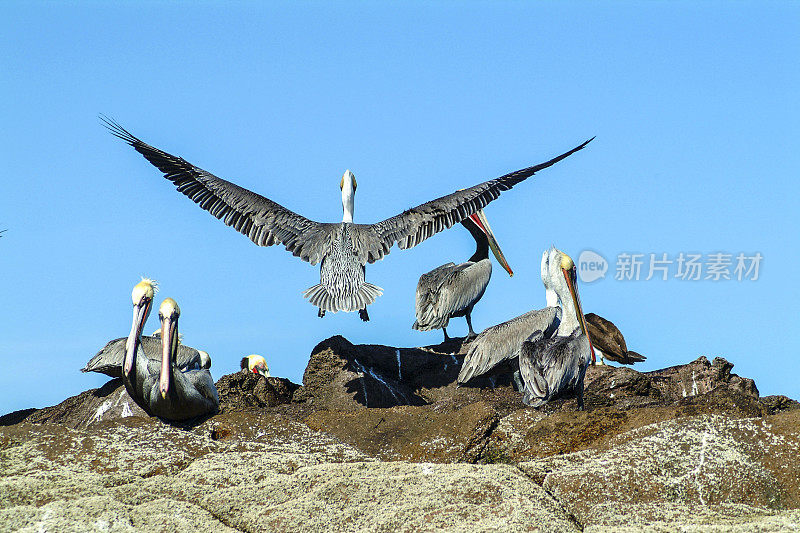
<point>161,388</point>
<point>452,290</point>
<point>109,359</point>
<point>608,341</point>
<point>255,364</point>
<point>550,347</point>
<point>342,249</point>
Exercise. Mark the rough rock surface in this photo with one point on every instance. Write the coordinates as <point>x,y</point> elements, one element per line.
<point>381,438</point>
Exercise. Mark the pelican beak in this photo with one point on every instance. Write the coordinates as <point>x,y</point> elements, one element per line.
<point>169,345</point>
<point>261,368</point>
<point>140,313</point>
<point>571,277</point>
<point>481,221</point>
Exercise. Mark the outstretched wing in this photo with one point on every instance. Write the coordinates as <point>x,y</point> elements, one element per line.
<point>413,226</point>
<point>265,222</point>
<point>504,341</point>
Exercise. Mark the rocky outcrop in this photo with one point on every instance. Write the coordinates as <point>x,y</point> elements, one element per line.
<point>381,438</point>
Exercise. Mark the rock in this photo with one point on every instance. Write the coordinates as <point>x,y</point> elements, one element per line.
<point>412,433</point>
<point>109,402</point>
<point>691,446</point>
<point>245,390</point>
<point>677,467</point>
<point>140,473</point>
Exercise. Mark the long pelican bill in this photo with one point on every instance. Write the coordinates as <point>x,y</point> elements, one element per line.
<point>479,218</point>
<point>168,313</point>
<point>570,276</point>
<point>140,313</point>
<point>142,298</point>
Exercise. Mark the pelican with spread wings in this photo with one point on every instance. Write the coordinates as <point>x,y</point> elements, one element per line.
<point>342,248</point>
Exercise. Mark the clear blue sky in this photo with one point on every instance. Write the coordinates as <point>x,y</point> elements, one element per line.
<point>695,109</point>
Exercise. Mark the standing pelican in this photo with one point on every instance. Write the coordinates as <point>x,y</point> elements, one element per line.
<point>452,290</point>
<point>549,346</point>
<point>342,249</point>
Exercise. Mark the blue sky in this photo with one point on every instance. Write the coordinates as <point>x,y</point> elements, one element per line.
<point>694,107</point>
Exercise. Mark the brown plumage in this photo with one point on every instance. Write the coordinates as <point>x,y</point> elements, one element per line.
<point>607,338</point>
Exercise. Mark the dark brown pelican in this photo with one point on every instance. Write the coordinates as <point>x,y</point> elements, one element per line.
<point>550,346</point>
<point>608,341</point>
<point>452,290</point>
<point>161,388</point>
<point>255,364</point>
<point>342,249</point>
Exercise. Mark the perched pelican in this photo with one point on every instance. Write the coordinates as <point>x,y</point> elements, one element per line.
<point>342,249</point>
<point>255,364</point>
<point>161,388</point>
<point>549,346</point>
<point>608,341</point>
<point>108,360</point>
<point>452,290</point>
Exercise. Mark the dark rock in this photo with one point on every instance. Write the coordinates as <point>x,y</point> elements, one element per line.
<point>91,407</point>
<point>244,390</point>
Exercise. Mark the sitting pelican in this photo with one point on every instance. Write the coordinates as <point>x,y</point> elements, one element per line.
<point>452,290</point>
<point>550,346</point>
<point>109,359</point>
<point>161,388</point>
<point>342,249</point>
<point>608,341</point>
<point>255,364</point>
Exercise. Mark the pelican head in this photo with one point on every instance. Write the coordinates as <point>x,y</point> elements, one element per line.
<point>255,364</point>
<point>348,186</point>
<point>559,275</point>
<point>168,313</point>
<point>142,298</point>
<point>479,219</point>
<point>205,359</point>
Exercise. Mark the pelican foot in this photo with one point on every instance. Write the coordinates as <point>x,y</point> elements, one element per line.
<point>362,313</point>
<point>321,313</point>
<point>470,337</point>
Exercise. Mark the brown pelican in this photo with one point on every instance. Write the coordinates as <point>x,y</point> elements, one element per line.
<point>255,364</point>
<point>161,388</point>
<point>109,359</point>
<point>550,346</point>
<point>452,290</point>
<point>342,249</point>
<point>608,341</point>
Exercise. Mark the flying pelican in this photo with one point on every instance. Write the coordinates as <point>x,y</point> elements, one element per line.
<point>161,388</point>
<point>255,364</point>
<point>342,249</point>
<point>608,341</point>
<point>550,346</point>
<point>108,360</point>
<point>452,290</point>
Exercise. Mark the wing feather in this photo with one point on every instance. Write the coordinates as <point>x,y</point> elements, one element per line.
<point>263,221</point>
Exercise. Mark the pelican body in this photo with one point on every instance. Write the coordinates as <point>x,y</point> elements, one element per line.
<point>179,394</point>
<point>451,290</point>
<point>161,388</point>
<point>109,359</point>
<point>342,249</point>
<point>608,341</point>
<point>550,347</point>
